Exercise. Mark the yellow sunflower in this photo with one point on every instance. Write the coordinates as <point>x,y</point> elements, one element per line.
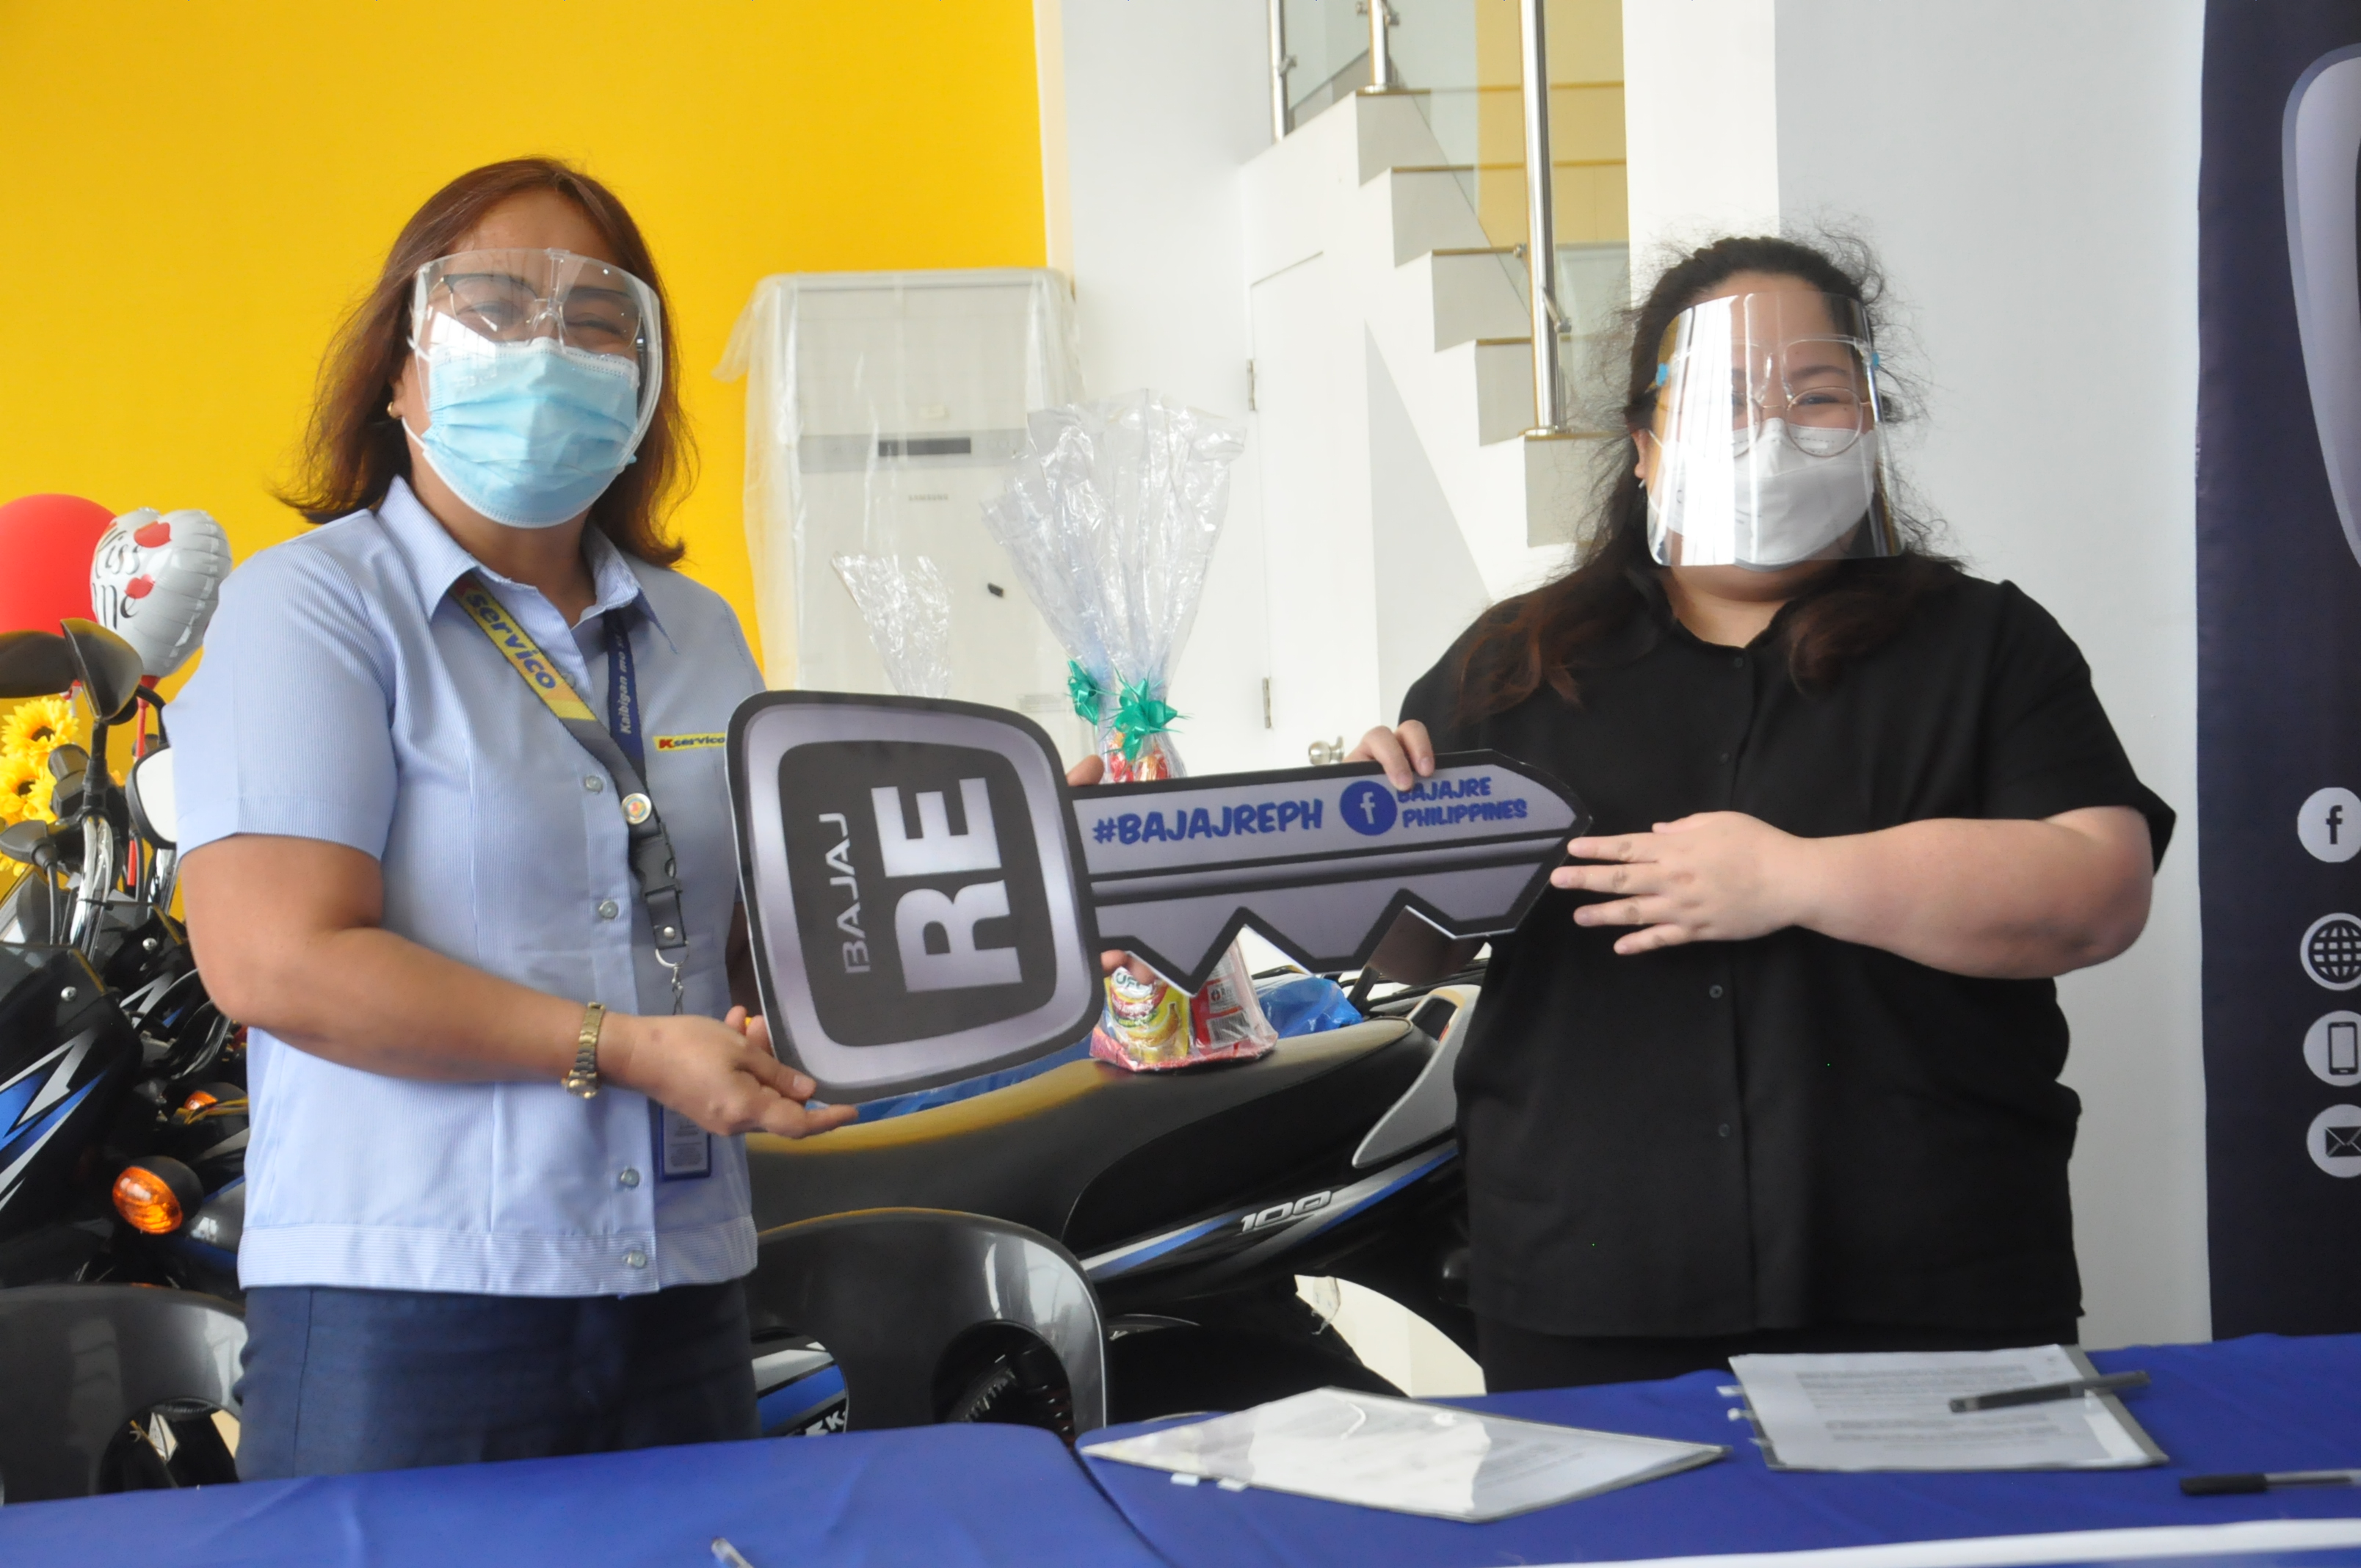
<point>24,789</point>
<point>39,726</point>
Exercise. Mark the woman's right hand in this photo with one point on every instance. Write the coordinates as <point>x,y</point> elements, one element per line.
<point>1407,754</point>
<point>716,1072</point>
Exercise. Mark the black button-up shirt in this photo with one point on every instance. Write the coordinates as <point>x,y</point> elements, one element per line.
<point>1791,1131</point>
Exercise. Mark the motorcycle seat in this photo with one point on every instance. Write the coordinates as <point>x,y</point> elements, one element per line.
<point>1090,1153</point>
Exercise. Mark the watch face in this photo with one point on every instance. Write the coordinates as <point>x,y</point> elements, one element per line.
<point>909,876</point>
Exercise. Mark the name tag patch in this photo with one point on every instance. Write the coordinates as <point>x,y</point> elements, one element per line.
<point>684,1149</point>
<point>688,742</point>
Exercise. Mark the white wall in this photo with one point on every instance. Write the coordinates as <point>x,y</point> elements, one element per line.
<point>1161,102</point>
<point>2028,173</point>
<point>1700,122</point>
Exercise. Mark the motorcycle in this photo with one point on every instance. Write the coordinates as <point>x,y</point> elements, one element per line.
<point>1192,1200</point>
<point>123,1108</point>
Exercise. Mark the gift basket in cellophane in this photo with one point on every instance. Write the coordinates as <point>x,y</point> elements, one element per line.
<point>1110,519</point>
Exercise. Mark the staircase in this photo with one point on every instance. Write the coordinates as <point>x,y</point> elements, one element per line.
<point>1393,376</point>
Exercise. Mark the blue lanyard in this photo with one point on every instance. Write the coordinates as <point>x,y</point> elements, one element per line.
<point>684,1150</point>
<point>623,691</point>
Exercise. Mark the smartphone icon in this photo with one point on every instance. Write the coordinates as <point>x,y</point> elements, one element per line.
<point>2344,1050</point>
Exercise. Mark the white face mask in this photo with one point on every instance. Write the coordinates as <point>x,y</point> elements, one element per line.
<point>1788,505</point>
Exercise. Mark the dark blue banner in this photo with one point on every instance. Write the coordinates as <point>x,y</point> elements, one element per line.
<point>2278,603</point>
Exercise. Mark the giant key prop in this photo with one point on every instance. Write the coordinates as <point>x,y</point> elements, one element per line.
<point>927,898</point>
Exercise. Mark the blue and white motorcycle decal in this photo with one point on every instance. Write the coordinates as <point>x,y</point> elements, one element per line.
<point>1273,1227</point>
<point>35,1105</point>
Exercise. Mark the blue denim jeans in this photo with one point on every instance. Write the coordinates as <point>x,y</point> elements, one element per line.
<point>339,1380</point>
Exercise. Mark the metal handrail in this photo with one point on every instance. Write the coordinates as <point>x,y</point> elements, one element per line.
<point>1282,62</point>
<point>1382,49</point>
<point>1541,237</point>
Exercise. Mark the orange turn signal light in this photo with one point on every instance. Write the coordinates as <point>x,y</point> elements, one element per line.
<point>148,1200</point>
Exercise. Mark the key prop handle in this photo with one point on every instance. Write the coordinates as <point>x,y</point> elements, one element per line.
<point>927,898</point>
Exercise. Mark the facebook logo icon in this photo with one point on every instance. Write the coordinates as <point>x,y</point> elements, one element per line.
<point>2330,825</point>
<point>1366,808</point>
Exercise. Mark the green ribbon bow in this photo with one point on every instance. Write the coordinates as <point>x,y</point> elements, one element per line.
<point>1089,697</point>
<point>1139,716</point>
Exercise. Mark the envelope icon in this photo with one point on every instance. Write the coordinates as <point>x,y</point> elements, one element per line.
<point>2344,1142</point>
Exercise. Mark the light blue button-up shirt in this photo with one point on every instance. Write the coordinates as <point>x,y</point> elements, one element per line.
<point>346,697</point>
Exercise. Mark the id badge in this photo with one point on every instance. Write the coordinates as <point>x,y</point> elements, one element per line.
<point>684,1149</point>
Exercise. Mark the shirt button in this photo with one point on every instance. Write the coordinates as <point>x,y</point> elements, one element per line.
<point>1723,758</point>
<point>1714,991</point>
<point>1723,1129</point>
<point>635,1258</point>
<point>1738,660</point>
<point>608,909</point>
<point>592,782</point>
<point>628,1177</point>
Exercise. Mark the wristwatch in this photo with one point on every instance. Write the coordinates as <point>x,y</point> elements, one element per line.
<point>584,1080</point>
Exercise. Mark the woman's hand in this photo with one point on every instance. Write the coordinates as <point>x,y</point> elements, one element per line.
<point>1719,876</point>
<point>2003,899</point>
<point>1407,754</point>
<point>720,1075</point>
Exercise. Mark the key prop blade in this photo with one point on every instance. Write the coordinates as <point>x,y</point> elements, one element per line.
<point>928,899</point>
<point>1320,861</point>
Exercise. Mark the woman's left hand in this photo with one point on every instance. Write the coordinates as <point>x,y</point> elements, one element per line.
<point>1719,876</point>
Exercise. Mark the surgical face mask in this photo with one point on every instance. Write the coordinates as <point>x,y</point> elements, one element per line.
<point>529,433</point>
<point>1789,502</point>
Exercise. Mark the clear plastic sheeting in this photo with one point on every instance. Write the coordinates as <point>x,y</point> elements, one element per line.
<point>1405,1457</point>
<point>883,410</point>
<point>909,612</point>
<point>1110,518</point>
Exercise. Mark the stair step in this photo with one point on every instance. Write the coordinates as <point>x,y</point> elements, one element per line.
<point>1504,387</point>
<point>1475,297</point>
<point>1391,132</point>
<point>1431,213</point>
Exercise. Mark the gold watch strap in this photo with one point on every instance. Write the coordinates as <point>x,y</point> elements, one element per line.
<point>584,1080</point>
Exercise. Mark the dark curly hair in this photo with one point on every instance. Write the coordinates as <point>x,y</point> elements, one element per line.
<point>1547,636</point>
<point>355,450</point>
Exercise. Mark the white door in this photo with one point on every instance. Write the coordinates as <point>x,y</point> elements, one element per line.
<point>1323,653</point>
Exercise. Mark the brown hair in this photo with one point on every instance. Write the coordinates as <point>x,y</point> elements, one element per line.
<point>355,448</point>
<point>1546,637</point>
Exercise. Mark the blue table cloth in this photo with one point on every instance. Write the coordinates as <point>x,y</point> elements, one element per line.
<point>2263,1403</point>
<point>945,1496</point>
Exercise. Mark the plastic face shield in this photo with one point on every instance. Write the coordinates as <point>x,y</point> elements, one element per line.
<point>1767,434</point>
<point>467,305</point>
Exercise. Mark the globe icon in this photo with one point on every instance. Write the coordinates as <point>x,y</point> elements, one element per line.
<point>2332,951</point>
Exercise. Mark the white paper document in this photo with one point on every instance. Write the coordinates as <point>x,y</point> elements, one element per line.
<point>1893,1411</point>
<point>1409,1457</point>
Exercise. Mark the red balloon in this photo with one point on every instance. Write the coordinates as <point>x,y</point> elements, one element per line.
<point>46,544</point>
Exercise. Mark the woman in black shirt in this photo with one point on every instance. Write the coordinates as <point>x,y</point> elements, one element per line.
<point>1775,1066</point>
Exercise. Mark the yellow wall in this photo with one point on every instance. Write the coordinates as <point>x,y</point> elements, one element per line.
<point>192,191</point>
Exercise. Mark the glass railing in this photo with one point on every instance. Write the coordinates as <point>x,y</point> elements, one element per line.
<point>1461,60</point>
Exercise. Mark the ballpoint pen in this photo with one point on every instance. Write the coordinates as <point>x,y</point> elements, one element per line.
<point>727,1554</point>
<point>2264,1481</point>
<point>2114,1382</point>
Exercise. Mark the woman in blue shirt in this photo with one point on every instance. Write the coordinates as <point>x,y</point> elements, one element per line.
<point>497,1198</point>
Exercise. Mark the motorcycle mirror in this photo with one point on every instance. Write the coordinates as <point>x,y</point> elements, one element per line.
<point>154,808</point>
<point>110,668</point>
<point>19,840</point>
<point>68,759</point>
<point>34,664</point>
